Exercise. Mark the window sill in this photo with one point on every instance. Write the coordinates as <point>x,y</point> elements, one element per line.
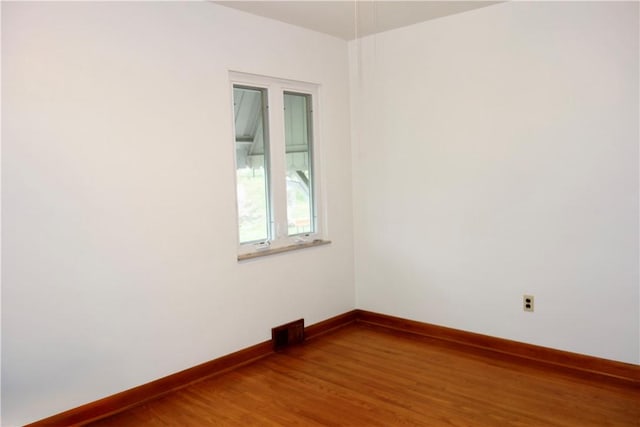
<point>267,252</point>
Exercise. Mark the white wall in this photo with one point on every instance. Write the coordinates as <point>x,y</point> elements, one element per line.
<point>496,154</point>
<point>119,241</point>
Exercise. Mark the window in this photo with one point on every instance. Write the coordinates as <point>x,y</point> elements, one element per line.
<point>298,138</point>
<point>252,170</point>
<point>276,165</point>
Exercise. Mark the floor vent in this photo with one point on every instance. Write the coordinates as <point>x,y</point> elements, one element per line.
<point>287,334</point>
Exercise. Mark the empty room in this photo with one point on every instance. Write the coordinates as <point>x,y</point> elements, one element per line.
<point>320,213</point>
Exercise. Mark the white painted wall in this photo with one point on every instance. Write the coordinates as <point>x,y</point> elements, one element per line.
<point>496,154</point>
<point>119,241</point>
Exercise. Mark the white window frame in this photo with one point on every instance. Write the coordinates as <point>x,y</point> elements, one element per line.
<point>277,191</point>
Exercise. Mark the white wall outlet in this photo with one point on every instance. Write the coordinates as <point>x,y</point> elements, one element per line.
<point>527,303</point>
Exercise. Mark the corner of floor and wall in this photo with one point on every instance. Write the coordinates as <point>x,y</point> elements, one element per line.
<point>467,161</point>
<point>496,157</point>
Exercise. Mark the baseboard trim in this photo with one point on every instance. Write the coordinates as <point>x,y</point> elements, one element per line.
<point>133,397</point>
<point>138,395</point>
<point>592,368</point>
<point>589,367</point>
<point>329,325</point>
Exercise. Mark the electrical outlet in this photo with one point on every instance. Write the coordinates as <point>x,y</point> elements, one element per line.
<point>527,303</point>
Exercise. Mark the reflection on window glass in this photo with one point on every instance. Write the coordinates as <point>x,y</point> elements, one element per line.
<point>298,131</point>
<point>251,163</point>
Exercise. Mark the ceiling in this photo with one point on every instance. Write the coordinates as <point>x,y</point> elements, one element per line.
<point>350,19</point>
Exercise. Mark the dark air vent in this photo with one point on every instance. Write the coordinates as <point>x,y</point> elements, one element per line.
<point>287,334</point>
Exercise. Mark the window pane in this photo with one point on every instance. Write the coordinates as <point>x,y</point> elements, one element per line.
<point>298,131</point>
<point>252,165</point>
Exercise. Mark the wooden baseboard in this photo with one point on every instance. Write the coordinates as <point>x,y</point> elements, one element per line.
<point>321,328</point>
<point>133,397</point>
<point>138,395</point>
<point>586,366</point>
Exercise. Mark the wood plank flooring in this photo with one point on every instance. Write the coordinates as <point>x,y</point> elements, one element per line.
<point>364,376</point>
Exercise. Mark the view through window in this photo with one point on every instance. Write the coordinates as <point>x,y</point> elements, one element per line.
<point>275,180</point>
<point>298,148</point>
<point>252,163</point>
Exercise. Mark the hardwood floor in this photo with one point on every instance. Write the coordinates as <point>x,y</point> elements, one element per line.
<point>364,376</point>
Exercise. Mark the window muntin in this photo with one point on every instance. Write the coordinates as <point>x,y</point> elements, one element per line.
<point>299,164</point>
<point>252,163</point>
